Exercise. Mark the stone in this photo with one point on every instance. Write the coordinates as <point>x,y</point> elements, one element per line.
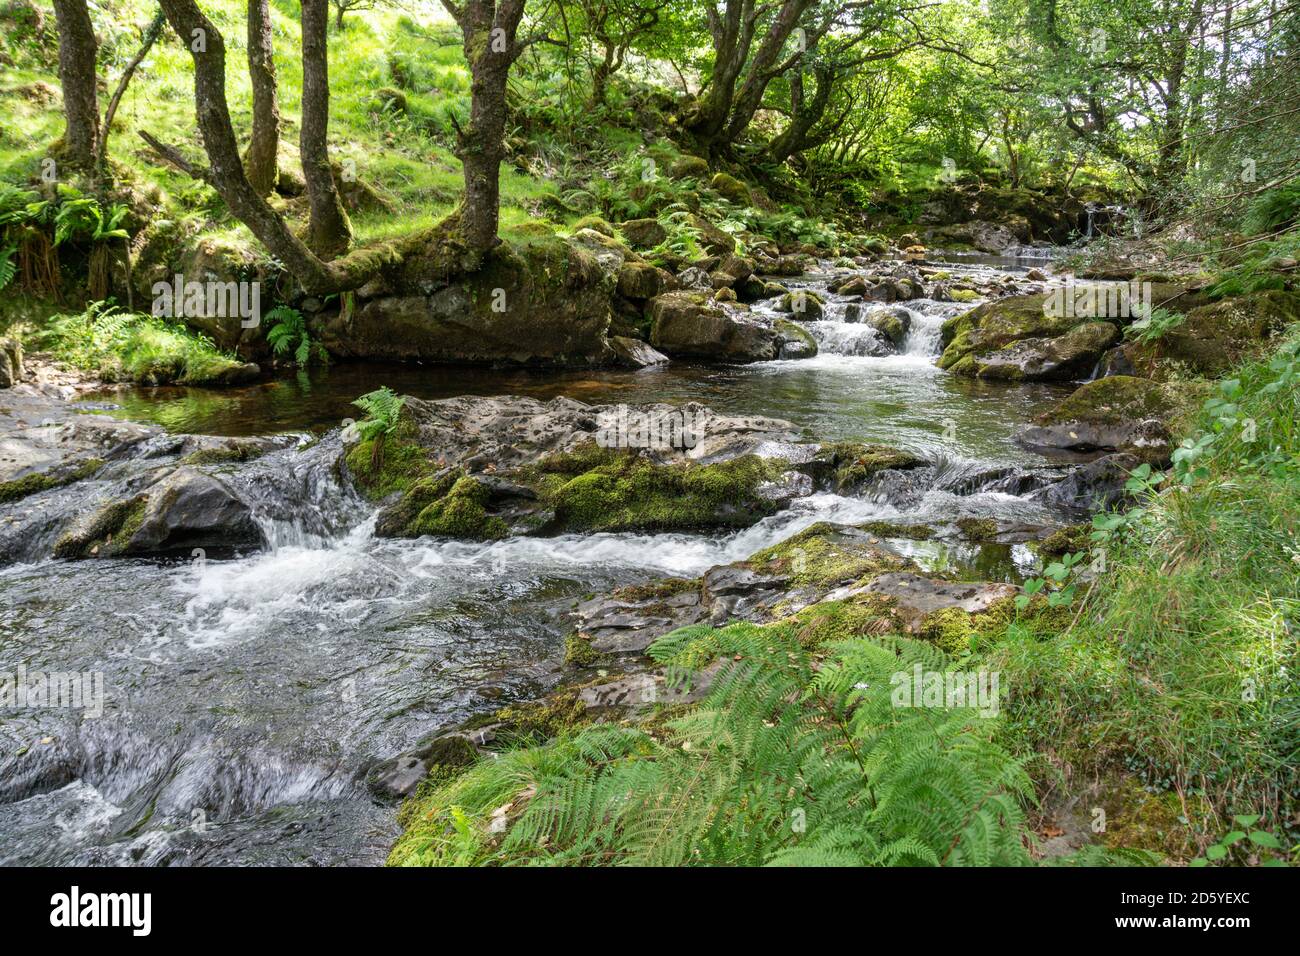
<point>639,280</point>
<point>690,325</point>
<point>1071,355</point>
<point>731,189</point>
<point>1117,413</point>
<point>796,342</point>
<point>643,233</point>
<point>633,353</point>
<point>11,362</point>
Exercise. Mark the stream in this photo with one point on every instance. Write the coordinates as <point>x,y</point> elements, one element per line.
<point>247,696</point>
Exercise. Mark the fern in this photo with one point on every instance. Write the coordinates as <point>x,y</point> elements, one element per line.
<point>288,334</point>
<point>787,761</point>
<point>8,269</point>
<point>383,408</point>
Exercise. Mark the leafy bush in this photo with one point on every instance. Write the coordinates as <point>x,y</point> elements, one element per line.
<point>288,335</point>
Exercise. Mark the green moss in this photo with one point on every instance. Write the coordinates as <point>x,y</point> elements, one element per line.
<point>830,621</point>
<point>730,188</point>
<point>822,556</point>
<point>852,463</point>
<point>243,451</point>
<point>1068,540</point>
<point>963,295</point>
<point>657,590</point>
<point>460,513</point>
<point>108,533</point>
<point>597,224</point>
<point>632,493</point>
<point>1139,819</point>
<point>890,529</point>
<point>542,720</point>
<point>978,529</point>
<point>388,462</point>
<point>33,484</point>
<point>578,652</point>
<point>1115,398</point>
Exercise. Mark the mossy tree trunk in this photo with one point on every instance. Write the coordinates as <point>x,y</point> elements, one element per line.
<point>77,51</point>
<point>489,29</point>
<point>329,231</point>
<point>261,161</point>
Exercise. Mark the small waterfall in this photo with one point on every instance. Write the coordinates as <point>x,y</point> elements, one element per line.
<point>923,332</point>
<point>848,338</point>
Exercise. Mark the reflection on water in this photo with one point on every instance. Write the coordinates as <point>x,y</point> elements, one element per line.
<point>903,400</point>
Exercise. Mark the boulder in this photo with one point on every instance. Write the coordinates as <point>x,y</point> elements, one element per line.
<point>643,233</point>
<point>691,325</point>
<point>1097,485</point>
<point>1063,357</point>
<point>639,280</point>
<point>1118,413</point>
<point>795,341</point>
<point>689,167</point>
<point>730,188</point>
<point>714,240</point>
<point>633,353</point>
<point>546,303</point>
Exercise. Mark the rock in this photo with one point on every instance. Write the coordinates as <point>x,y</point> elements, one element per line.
<point>737,267</point>
<point>795,341</point>
<point>386,99</point>
<point>543,304</point>
<point>1094,486</point>
<point>689,167</point>
<point>891,322</point>
<point>690,325</point>
<point>731,189</point>
<point>990,237</point>
<point>915,253</point>
<point>1118,413</point>
<point>397,777</point>
<point>183,509</point>
<point>639,280</point>
<point>643,233</point>
<point>595,224</point>
<point>1063,357</point>
<point>11,362</point>
<point>804,305</point>
<point>714,240</point>
<point>853,285</point>
<point>1216,337</point>
<point>633,353</point>
<point>917,598</point>
<point>1036,275</point>
<point>608,252</point>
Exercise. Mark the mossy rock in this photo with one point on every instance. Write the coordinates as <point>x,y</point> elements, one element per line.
<point>824,555</point>
<point>388,463</point>
<point>28,485</point>
<point>731,189</point>
<point>597,224</point>
<point>541,720</point>
<point>849,464</point>
<point>1068,540</point>
<point>107,533</point>
<point>689,167</point>
<point>978,530</point>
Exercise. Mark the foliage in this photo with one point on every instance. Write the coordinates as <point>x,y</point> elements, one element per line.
<point>288,334</point>
<point>787,761</point>
<point>383,408</point>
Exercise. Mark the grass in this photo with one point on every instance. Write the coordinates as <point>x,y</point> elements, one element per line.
<point>129,347</point>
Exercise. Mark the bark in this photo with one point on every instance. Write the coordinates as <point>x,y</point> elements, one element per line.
<point>329,231</point>
<point>805,114</point>
<point>764,67</point>
<point>225,171</point>
<point>77,49</point>
<point>262,159</point>
<point>491,46</point>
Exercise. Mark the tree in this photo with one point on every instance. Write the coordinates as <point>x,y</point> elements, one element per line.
<point>77,51</point>
<point>225,171</point>
<point>615,27</point>
<point>329,231</point>
<point>348,6</point>
<point>489,29</point>
<point>262,159</point>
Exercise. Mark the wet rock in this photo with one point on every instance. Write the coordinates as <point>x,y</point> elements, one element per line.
<point>802,304</point>
<point>1071,355</point>
<point>1096,485</point>
<point>11,362</point>
<point>892,323</point>
<point>397,777</point>
<point>690,325</point>
<point>1117,413</point>
<point>795,341</point>
<point>633,353</point>
<point>917,597</point>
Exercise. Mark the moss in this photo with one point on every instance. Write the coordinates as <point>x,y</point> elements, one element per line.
<point>34,484</point>
<point>542,720</point>
<point>830,621</point>
<point>632,493</point>
<point>243,451</point>
<point>1115,398</point>
<point>791,330</point>
<point>823,556</point>
<point>1068,540</point>
<point>963,295</point>
<point>657,590</point>
<point>597,224</point>
<point>852,463</point>
<point>388,462</point>
<point>578,652</point>
<point>460,513</point>
<point>108,532</point>
<point>1141,820</point>
<point>890,529</point>
<point>730,188</point>
<point>978,529</point>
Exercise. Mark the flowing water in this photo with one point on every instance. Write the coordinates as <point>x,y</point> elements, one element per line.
<point>246,697</point>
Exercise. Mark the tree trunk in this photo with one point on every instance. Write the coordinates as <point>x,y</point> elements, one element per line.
<point>490,48</point>
<point>151,35</point>
<point>329,231</point>
<point>261,162</point>
<point>77,49</point>
<point>760,73</point>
